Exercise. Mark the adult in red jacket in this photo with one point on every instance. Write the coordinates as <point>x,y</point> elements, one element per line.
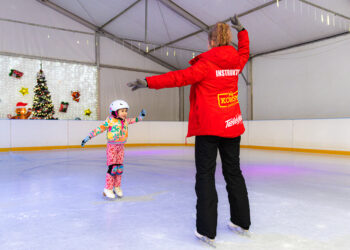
<point>216,121</point>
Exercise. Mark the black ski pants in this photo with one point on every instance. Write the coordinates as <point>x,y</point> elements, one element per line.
<point>206,148</point>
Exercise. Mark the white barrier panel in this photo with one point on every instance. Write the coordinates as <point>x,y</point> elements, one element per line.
<point>245,136</point>
<point>5,135</point>
<point>327,134</point>
<point>271,133</point>
<point>39,133</point>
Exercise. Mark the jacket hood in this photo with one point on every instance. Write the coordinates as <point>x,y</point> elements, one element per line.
<point>224,56</point>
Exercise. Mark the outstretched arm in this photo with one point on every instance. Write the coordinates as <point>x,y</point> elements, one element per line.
<point>179,78</point>
<point>172,79</point>
<point>139,118</point>
<point>243,41</point>
<point>100,129</point>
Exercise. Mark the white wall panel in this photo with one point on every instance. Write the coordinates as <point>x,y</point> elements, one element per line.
<point>5,135</point>
<point>37,133</point>
<point>330,134</point>
<point>303,83</point>
<point>113,53</point>
<point>271,133</point>
<point>44,42</point>
<point>161,105</point>
<point>33,12</point>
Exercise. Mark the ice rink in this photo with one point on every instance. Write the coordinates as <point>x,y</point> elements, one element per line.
<point>53,200</point>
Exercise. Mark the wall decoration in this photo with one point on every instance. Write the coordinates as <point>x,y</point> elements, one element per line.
<point>76,96</point>
<point>16,73</point>
<point>24,91</point>
<point>64,107</point>
<point>87,112</point>
<point>21,111</point>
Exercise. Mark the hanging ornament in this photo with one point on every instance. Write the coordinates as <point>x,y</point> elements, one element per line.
<point>64,107</point>
<point>16,73</point>
<point>24,91</point>
<point>76,96</point>
<point>87,112</point>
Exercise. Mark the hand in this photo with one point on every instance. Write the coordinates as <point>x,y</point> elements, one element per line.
<point>137,84</point>
<point>87,138</point>
<point>236,23</point>
<point>142,113</point>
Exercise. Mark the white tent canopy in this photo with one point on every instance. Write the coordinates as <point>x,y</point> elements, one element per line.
<point>149,24</point>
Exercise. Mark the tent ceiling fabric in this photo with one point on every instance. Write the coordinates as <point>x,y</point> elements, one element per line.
<point>282,24</point>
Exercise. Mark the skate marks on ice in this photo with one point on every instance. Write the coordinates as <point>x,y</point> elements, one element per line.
<point>276,241</point>
<point>141,198</point>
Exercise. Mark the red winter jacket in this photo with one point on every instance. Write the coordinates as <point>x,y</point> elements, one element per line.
<point>214,107</point>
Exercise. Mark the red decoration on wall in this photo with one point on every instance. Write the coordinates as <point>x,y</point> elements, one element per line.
<point>16,73</point>
<point>64,107</point>
<point>75,95</point>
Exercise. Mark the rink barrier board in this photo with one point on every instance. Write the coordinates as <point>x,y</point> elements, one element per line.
<point>93,146</point>
<point>300,150</point>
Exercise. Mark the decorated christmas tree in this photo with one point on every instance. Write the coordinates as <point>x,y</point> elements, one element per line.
<point>42,104</point>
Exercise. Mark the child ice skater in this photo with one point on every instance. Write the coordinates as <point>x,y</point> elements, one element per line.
<point>117,134</point>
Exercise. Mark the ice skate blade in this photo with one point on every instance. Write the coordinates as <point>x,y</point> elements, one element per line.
<point>239,231</point>
<point>205,239</point>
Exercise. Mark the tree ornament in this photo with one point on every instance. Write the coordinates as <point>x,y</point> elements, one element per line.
<point>76,96</point>
<point>87,112</point>
<point>16,73</point>
<point>64,107</point>
<point>24,91</point>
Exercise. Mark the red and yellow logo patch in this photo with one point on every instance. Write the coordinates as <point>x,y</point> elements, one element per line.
<point>228,99</point>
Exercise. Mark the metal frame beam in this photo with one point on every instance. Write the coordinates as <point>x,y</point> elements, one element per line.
<point>105,33</point>
<point>185,14</point>
<point>224,21</point>
<point>121,13</point>
<point>325,9</point>
<point>300,44</point>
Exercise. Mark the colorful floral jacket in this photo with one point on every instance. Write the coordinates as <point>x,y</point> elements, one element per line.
<point>117,129</point>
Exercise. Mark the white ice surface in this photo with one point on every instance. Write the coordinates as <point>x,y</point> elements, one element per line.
<point>53,200</point>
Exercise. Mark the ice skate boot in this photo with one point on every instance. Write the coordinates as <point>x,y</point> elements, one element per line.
<point>108,193</point>
<point>108,190</point>
<point>238,229</point>
<point>118,191</point>
<point>205,239</point>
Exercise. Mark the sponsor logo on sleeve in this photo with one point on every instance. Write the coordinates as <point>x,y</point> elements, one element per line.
<point>233,121</point>
<point>226,100</point>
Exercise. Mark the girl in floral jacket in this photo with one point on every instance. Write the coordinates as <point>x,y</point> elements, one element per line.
<point>117,133</point>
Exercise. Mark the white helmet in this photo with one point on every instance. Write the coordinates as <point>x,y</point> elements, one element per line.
<point>118,104</point>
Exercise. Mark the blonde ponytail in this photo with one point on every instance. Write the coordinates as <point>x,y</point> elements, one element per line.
<point>220,34</point>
